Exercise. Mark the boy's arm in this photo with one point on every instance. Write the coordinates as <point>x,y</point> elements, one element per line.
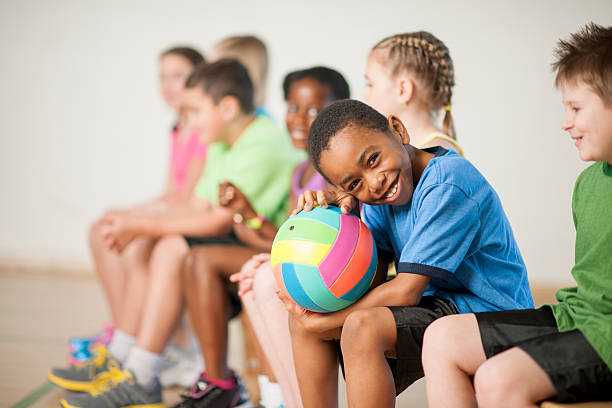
<point>192,218</point>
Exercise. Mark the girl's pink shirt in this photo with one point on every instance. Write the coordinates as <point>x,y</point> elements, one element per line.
<point>182,154</point>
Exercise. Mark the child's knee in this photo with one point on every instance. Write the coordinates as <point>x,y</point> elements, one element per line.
<point>361,332</point>
<point>196,269</point>
<point>172,248</point>
<point>438,340</point>
<point>493,385</point>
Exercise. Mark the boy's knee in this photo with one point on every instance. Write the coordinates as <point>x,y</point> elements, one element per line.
<point>360,332</point>
<point>172,247</point>
<point>437,340</point>
<point>493,386</point>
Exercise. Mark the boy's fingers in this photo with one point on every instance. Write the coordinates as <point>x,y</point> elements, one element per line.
<point>321,198</point>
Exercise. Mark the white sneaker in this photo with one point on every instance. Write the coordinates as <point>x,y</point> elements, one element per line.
<point>181,366</point>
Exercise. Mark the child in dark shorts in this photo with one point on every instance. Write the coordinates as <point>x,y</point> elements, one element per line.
<point>561,351</point>
<point>433,213</point>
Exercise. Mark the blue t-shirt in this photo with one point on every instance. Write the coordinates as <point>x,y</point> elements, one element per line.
<point>455,230</point>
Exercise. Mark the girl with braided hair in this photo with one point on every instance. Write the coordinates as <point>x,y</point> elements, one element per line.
<point>411,76</point>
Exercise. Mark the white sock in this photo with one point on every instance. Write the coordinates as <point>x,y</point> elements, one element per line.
<point>145,366</point>
<point>120,345</point>
<point>270,392</point>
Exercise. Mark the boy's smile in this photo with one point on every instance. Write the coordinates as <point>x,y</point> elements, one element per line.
<point>588,121</point>
<point>374,167</point>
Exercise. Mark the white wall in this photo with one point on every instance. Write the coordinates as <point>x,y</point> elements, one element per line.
<point>82,125</point>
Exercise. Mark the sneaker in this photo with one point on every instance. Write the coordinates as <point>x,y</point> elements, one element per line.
<point>116,389</point>
<point>80,377</point>
<point>81,348</point>
<point>181,366</point>
<point>205,394</point>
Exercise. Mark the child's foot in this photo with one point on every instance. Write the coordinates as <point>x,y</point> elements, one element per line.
<point>181,366</point>
<point>80,377</point>
<point>117,389</point>
<point>206,394</point>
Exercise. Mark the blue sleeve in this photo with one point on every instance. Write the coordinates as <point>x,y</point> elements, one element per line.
<point>446,224</point>
<point>374,219</point>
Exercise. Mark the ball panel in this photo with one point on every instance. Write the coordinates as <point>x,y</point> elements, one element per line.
<point>331,218</point>
<point>295,290</point>
<point>341,251</point>
<point>365,282</point>
<point>315,289</point>
<point>310,253</point>
<point>306,230</point>
<point>357,265</point>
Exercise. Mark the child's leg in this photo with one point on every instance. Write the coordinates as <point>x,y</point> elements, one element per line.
<point>164,300</point>
<point>110,269</point>
<point>367,335</point>
<point>135,258</point>
<point>511,379</point>
<point>316,366</point>
<point>269,319</point>
<point>205,280</point>
<point>452,350</point>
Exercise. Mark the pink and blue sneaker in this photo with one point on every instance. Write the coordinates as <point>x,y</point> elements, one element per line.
<point>80,348</point>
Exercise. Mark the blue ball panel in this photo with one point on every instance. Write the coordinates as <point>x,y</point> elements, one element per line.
<point>315,288</point>
<point>295,290</point>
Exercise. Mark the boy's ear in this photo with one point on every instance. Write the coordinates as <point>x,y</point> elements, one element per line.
<point>406,90</point>
<point>229,107</point>
<point>398,129</point>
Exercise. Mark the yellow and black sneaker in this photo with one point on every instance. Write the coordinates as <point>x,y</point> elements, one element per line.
<point>80,377</point>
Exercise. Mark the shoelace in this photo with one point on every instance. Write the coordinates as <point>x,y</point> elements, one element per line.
<point>108,380</point>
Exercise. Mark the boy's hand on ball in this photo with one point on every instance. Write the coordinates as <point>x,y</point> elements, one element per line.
<point>310,199</point>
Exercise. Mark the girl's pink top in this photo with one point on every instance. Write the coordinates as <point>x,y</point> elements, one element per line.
<point>182,154</point>
<point>316,182</point>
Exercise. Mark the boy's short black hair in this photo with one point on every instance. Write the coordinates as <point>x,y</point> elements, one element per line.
<point>225,77</point>
<point>332,79</point>
<point>336,117</point>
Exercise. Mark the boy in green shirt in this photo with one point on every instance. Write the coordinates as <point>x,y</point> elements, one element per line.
<point>251,152</point>
<point>561,351</point>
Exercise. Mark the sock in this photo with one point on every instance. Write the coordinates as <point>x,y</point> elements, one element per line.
<point>145,366</point>
<point>120,346</point>
<point>223,384</point>
<point>270,392</point>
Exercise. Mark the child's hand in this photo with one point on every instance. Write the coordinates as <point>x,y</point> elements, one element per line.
<point>320,324</point>
<point>309,199</point>
<point>247,272</point>
<point>116,232</point>
<point>230,196</point>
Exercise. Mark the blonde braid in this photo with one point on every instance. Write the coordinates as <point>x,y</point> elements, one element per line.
<point>425,55</point>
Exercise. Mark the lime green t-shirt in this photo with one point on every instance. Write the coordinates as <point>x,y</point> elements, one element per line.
<point>260,164</point>
<point>588,306</point>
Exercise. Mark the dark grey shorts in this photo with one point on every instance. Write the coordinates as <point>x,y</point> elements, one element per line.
<point>574,367</point>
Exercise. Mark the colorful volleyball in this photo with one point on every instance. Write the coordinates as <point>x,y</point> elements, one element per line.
<point>324,260</point>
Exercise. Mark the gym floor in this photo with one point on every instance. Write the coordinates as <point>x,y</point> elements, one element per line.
<point>41,309</point>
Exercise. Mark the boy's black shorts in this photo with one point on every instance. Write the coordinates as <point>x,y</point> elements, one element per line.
<point>411,322</point>
<point>574,367</point>
<point>229,239</point>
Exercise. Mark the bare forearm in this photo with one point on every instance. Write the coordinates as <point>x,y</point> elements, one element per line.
<point>212,223</point>
<point>386,294</point>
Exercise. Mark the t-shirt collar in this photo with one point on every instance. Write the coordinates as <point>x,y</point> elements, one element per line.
<point>607,169</point>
